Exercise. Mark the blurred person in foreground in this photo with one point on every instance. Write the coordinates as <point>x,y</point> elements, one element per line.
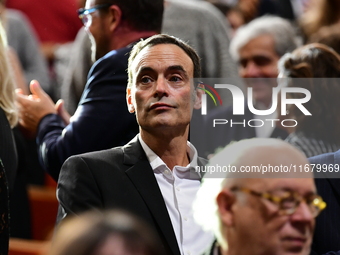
<point>104,233</point>
<point>271,213</point>
<point>101,120</point>
<point>152,176</point>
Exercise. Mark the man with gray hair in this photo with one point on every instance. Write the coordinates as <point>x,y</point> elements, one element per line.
<point>268,211</point>
<point>282,34</point>
<point>256,47</point>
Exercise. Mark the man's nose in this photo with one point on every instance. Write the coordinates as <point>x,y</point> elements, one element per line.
<point>251,70</point>
<point>303,213</point>
<point>161,87</point>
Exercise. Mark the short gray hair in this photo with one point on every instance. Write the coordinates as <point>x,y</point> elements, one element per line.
<point>283,32</point>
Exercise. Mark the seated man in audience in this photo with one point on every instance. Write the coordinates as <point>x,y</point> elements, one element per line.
<point>101,120</point>
<point>153,176</point>
<point>256,47</point>
<point>260,213</point>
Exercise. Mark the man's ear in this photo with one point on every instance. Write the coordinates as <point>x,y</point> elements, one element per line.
<point>198,96</point>
<point>115,16</point>
<point>225,201</point>
<point>131,108</point>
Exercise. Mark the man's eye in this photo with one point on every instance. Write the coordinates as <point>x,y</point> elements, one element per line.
<point>262,61</point>
<point>175,78</point>
<point>288,202</point>
<point>145,80</point>
<point>243,63</point>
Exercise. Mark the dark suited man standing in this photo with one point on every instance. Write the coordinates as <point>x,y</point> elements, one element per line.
<point>153,176</point>
<point>101,120</point>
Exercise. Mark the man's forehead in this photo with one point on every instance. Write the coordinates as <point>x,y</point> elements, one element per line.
<point>260,40</point>
<point>166,54</point>
<point>261,45</point>
<point>300,185</point>
<point>282,158</point>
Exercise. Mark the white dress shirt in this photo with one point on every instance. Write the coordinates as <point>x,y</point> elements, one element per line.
<point>179,187</point>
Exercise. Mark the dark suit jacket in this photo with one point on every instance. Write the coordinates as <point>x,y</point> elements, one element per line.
<point>221,135</point>
<point>282,8</point>
<point>119,178</point>
<point>8,152</point>
<point>327,230</point>
<point>102,120</point>
<point>211,250</point>
<point>4,212</point>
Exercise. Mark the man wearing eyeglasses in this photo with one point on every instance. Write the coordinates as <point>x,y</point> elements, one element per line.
<point>101,120</point>
<point>264,207</point>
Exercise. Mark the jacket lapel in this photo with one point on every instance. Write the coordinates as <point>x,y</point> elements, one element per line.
<point>143,178</point>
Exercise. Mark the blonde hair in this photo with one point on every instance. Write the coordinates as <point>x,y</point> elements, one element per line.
<point>7,86</point>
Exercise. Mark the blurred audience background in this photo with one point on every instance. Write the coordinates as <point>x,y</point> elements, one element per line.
<point>49,45</point>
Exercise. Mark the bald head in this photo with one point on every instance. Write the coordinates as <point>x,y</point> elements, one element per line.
<point>262,169</point>
<point>258,158</point>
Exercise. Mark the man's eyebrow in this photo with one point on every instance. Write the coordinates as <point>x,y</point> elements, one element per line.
<point>179,68</point>
<point>176,68</point>
<point>307,193</point>
<point>145,69</point>
<point>170,68</point>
